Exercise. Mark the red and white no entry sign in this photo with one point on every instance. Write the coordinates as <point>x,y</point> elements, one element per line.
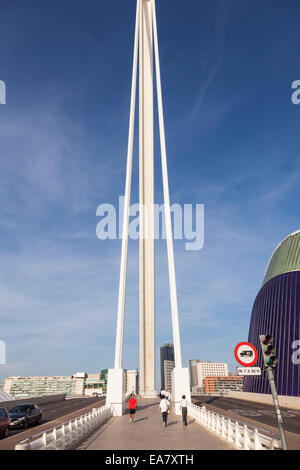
<point>246,354</point>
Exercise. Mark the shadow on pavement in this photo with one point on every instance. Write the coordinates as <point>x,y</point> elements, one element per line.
<point>141,419</point>
<point>172,422</point>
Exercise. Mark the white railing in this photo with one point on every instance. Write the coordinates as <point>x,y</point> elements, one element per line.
<point>67,434</point>
<point>239,435</point>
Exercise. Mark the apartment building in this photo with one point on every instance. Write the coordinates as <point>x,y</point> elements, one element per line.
<point>223,384</point>
<point>80,383</point>
<point>201,369</point>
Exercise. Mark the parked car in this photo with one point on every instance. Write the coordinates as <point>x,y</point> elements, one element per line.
<point>97,394</point>
<point>24,415</point>
<point>4,422</point>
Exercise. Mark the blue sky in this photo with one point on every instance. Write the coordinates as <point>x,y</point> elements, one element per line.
<point>232,142</point>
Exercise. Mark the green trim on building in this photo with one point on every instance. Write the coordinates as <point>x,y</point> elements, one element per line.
<point>285,258</point>
<point>26,387</point>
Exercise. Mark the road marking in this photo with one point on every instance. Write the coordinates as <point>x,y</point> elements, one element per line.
<point>244,412</point>
<point>285,414</point>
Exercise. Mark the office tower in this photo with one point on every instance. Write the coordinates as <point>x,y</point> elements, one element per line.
<point>166,354</point>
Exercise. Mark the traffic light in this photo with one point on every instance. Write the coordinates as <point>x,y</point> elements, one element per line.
<point>268,350</point>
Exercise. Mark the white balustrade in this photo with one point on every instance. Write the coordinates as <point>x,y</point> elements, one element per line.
<point>63,436</point>
<point>237,434</point>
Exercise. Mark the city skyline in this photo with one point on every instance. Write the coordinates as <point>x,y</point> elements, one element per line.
<point>232,142</point>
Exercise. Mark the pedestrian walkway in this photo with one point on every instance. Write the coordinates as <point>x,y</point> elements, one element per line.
<point>147,433</point>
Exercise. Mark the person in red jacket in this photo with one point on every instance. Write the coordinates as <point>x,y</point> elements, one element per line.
<point>132,403</point>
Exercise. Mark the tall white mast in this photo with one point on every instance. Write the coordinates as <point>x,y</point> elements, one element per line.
<point>146,39</point>
<point>124,253</point>
<point>146,194</point>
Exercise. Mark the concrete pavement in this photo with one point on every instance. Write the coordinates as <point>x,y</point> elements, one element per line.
<point>147,433</point>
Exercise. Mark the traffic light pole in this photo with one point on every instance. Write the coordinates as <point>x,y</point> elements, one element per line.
<point>276,406</point>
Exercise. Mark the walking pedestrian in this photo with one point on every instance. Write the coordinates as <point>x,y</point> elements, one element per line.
<point>183,407</point>
<point>132,403</point>
<point>164,407</point>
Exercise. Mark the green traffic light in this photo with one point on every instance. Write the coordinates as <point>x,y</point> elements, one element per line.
<point>268,350</point>
<point>272,361</point>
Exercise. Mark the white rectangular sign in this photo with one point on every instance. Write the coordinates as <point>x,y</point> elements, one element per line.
<point>248,370</point>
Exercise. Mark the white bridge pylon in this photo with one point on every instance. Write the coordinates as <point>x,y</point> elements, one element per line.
<point>146,51</point>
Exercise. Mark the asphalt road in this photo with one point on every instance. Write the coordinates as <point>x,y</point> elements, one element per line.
<point>259,412</point>
<point>50,412</point>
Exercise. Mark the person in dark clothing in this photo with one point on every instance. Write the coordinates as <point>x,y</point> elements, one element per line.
<point>164,407</point>
<point>183,407</point>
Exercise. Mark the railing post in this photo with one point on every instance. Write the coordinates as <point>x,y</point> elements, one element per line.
<point>210,420</point>
<point>203,416</point>
<point>71,431</point>
<point>88,421</point>
<point>206,419</point>
<point>63,431</point>
<point>230,431</point>
<point>44,439</point>
<point>246,438</point>
<point>55,437</point>
<point>218,430</point>
<point>223,428</point>
<point>213,423</point>
<point>76,428</point>
<point>237,435</point>
<point>257,441</point>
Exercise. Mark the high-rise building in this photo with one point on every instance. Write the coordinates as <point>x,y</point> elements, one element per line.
<point>193,372</point>
<point>166,354</point>
<point>168,367</point>
<point>276,311</point>
<point>212,369</point>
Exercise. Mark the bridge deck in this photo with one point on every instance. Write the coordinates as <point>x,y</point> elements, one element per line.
<point>147,433</point>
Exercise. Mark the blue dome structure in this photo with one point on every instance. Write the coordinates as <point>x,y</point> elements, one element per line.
<point>276,311</point>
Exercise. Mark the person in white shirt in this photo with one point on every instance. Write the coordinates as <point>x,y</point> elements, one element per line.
<point>183,407</point>
<point>163,407</point>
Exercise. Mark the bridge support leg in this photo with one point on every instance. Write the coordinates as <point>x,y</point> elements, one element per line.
<point>180,386</point>
<point>116,390</point>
